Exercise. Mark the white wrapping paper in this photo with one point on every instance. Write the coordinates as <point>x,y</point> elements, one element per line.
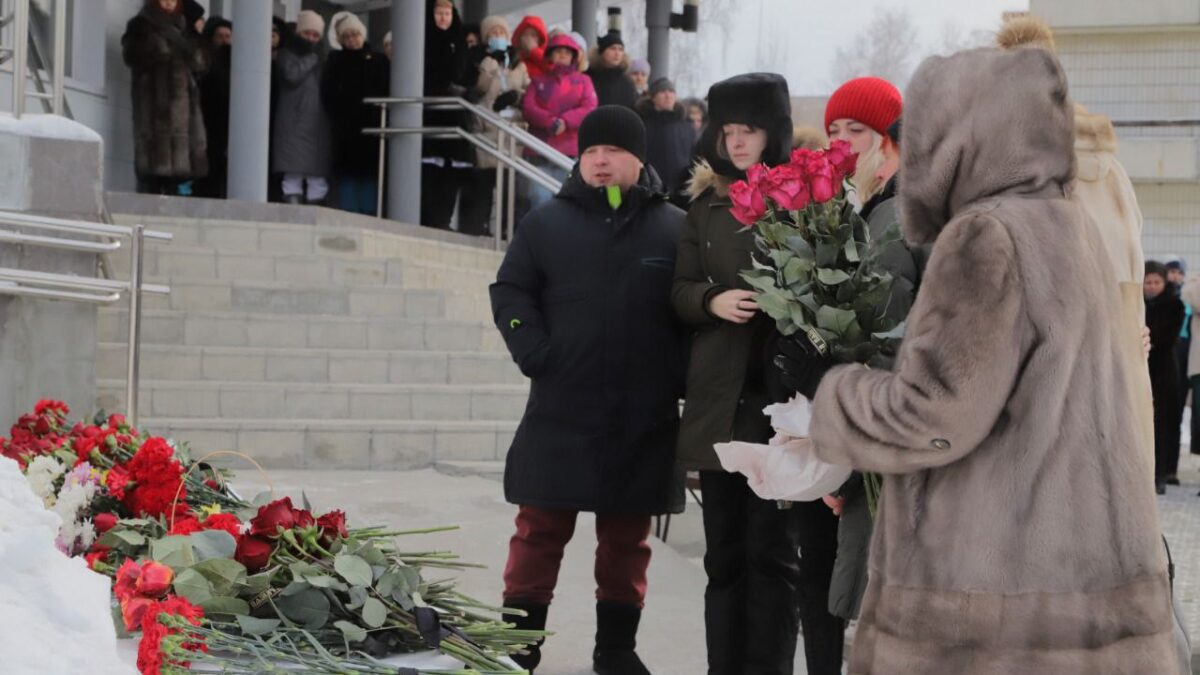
<point>787,468</point>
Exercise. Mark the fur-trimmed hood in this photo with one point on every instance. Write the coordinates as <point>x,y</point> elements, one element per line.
<point>966,121</point>
<point>596,62</point>
<point>1093,132</point>
<point>705,178</point>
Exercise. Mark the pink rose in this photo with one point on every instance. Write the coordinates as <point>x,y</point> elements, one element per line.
<point>842,157</point>
<point>786,187</point>
<point>749,204</point>
<point>822,182</point>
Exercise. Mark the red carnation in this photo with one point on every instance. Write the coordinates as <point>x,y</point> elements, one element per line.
<point>333,526</point>
<point>223,521</point>
<point>185,525</point>
<point>253,552</point>
<point>45,406</point>
<point>151,657</point>
<point>116,481</point>
<point>274,517</point>
<point>158,476</point>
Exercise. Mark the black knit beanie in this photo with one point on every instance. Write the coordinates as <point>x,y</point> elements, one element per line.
<point>612,37</point>
<point>614,125</point>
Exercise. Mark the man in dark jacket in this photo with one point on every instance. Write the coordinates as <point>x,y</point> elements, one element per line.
<point>583,302</point>
<point>669,135</point>
<point>214,103</point>
<point>609,70</point>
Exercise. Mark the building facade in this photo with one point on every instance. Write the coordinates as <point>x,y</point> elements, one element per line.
<point>1139,63</point>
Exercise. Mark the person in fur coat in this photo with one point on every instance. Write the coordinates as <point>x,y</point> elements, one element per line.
<point>1018,529</point>
<point>165,56</point>
<point>1103,190</point>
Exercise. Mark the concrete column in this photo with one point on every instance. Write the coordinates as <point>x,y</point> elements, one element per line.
<point>583,20</point>
<point>250,101</point>
<point>408,80</point>
<point>474,11</point>
<point>658,23</point>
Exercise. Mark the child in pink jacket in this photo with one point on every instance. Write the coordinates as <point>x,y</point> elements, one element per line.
<point>557,102</point>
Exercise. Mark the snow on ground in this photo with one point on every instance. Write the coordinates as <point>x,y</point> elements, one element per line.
<point>56,615</point>
<point>47,126</point>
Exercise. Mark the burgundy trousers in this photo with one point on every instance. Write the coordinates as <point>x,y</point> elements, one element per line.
<point>536,550</point>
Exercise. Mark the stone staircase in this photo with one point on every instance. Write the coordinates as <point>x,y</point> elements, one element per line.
<point>316,346</point>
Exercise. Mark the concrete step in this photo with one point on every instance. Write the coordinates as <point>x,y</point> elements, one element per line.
<point>249,237</point>
<point>166,263</point>
<point>242,329</point>
<point>306,401</point>
<point>335,366</point>
<point>340,444</point>
<point>272,297</point>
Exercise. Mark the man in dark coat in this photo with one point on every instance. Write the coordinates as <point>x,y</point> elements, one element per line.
<point>164,55</point>
<point>669,135</point>
<point>583,302</point>
<point>609,70</point>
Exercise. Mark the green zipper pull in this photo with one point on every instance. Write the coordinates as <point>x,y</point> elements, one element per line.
<point>614,196</point>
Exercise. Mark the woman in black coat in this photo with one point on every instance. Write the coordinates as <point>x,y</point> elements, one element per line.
<point>165,56</point>
<point>214,101</point>
<point>669,137</point>
<point>1164,315</point>
<point>353,73</point>
<point>446,164</point>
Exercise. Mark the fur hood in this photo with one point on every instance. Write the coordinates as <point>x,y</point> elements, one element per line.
<point>705,178</point>
<point>962,116</point>
<point>596,62</point>
<point>1093,132</point>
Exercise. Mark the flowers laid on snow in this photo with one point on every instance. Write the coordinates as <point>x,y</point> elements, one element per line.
<point>205,575</point>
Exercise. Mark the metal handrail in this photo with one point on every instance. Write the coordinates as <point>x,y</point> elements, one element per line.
<point>90,290</point>
<point>520,165</point>
<point>19,53</point>
<point>527,139</point>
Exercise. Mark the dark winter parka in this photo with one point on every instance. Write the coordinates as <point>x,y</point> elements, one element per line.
<point>301,126</point>
<point>612,84</point>
<point>165,57</point>
<point>214,101</point>
<point>446,61</point>
<point>669,140</point>
<point>583,302</point>
<point>1165,315</point>
<point>351,76</point>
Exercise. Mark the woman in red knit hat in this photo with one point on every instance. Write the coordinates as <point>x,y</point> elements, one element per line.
<point>861,111</point>
<point>864,112</point>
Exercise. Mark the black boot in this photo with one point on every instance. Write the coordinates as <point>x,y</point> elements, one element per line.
<point>616,637</point>
<point>535,619</point>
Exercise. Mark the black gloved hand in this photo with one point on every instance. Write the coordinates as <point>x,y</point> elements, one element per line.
<point>800,365</point>
<point>505,100</point>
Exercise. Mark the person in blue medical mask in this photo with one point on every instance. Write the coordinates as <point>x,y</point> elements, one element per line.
<point>489,83</point>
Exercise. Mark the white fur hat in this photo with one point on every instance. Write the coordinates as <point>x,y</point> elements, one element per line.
<point>341,23</point>
<point>310,20</point>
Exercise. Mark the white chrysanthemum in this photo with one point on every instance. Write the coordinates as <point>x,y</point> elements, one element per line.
<point>42,473</point>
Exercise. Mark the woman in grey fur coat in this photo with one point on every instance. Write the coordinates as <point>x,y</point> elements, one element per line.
<point>1018,530</point>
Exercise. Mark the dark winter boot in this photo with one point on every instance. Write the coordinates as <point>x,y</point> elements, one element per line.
<point>535,619</point>
<point>616,637</point>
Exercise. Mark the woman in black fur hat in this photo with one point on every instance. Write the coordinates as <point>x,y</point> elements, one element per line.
<point>754,575</point>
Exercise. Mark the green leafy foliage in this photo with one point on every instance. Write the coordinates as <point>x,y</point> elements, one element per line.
<point>818,274</point>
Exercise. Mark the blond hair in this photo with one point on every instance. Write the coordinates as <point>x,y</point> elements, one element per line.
<point>867,182</point>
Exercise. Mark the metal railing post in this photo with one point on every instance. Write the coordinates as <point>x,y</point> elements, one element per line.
<point>59,72</point>
<point>135,320</point>
<point>380,186</point>
<point>20,54</point>
<point>511,207</point>
<point>501,169</point>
